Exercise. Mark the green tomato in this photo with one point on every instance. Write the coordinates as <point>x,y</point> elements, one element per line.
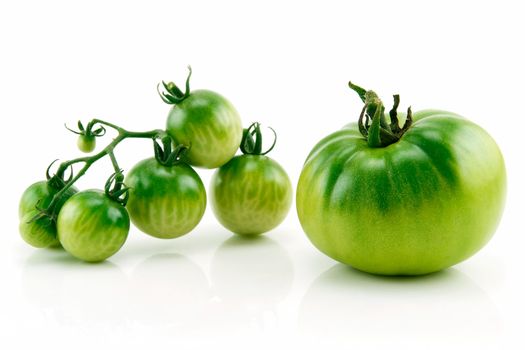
<point>251,194</point>
<point>165,201</point>
<point>86,143</point>
<point>208,124</point>
<point>91,226</point>
<point>40,233</point>
<point>421,204</point>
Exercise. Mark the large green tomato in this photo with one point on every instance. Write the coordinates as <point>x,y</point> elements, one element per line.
<point>251,194</point>
<point>418,205</point>
<point>91,226</point>
<point>40,233</point>
<point>165,201</point>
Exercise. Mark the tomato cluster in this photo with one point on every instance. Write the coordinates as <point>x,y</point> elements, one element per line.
<point>393,194</point>
<point>162,196</point>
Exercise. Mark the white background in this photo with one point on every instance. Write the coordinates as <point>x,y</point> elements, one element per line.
<point>286,65</point>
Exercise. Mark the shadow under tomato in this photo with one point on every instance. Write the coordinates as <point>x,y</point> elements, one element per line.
<point>168,290</point>
<point>350,304</point>
<point>198,241</point>
<point>250,276</point>
<point>74,291</point>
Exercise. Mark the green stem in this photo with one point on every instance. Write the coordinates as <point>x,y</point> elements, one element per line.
<point>374,132</point>
<point>90,160</point>
<point>379,133</point>
<point>251,142</point>
<point>173,95</point>
<point>114,161</point>
<point>103,122</point>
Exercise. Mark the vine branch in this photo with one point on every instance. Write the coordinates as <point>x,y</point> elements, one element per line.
<point>122,134</point>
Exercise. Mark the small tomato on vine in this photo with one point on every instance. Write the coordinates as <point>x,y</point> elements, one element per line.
<point>252,193</point>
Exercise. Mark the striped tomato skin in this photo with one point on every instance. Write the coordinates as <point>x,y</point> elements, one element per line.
<point>40,233</point>
<point>91,226</point>
<point>165,201</point>
<point>207,123</point>
<point>251,194</point>
<point>419,205</point>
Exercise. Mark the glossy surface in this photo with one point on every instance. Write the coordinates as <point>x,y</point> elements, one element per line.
<point>42,232</point>
<point>251,194</point>
<point>209,124</point>
<point>165,202</point>
<point>92,227</point>
<point>422,204</point>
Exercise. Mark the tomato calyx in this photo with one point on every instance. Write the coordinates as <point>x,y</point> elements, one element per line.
<point>58,180</point>
<point>373,123</point>
<point>115,188</point>
<point>173,95</point>
<point>87,135</point>
<point>251,142</point>
<point>165,155</point>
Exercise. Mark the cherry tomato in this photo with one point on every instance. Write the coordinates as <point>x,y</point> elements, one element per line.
<point>42,232</point>
<point>165,201</point>
<point>91,226</point>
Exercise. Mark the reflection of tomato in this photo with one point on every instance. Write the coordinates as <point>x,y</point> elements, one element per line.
<point>258,281</point>
<point>179,298</point>
<point>420,204</point>
<point>91,226</point>
<point>42,232</point>
<point>360,305</point>
<point>165,201</point>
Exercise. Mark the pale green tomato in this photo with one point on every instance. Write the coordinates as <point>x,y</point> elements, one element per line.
<point>251,194</point>
<point>40,233</point>
<point>91,226</point>
<point>209,125</point>
<point>86,143</point>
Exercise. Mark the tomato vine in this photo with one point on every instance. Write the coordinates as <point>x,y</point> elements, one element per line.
<point>114,187</point>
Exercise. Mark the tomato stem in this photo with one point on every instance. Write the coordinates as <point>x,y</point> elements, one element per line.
<point>115,188</point>
<point>90,160</point>
<point>252,139</point>
<point>374,137</point>
<point>373,123</point>
<point>88,131</point>
<point>173,94</point>
<point>165,155</point>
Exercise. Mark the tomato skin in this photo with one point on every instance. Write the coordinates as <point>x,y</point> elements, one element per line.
<point>207,123</point>
<point>41,194</point>
<point>419,205</point>
<point>40,233</point>
<point>165,201</point>
<point>86,143</point>
<point>251,194</point>
<point>91,226</point>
